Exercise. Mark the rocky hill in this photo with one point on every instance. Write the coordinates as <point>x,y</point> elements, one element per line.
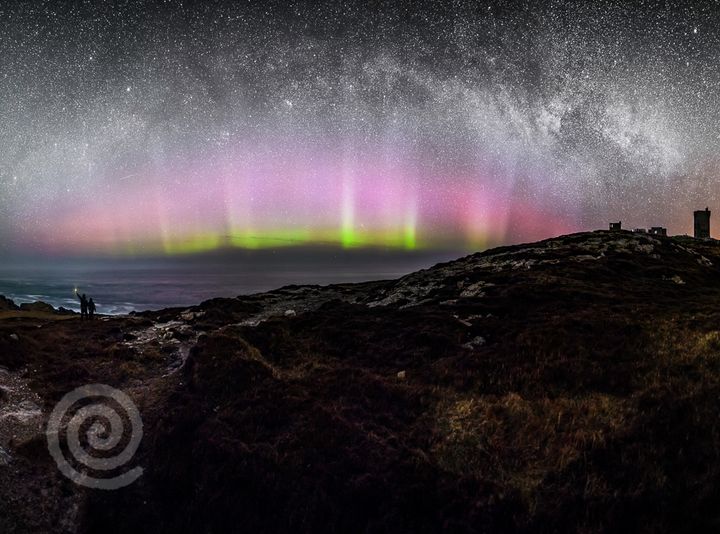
<point>565,385</point>
<point>7,304</point>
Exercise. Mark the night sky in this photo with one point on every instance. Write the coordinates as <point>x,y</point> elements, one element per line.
<point>165,127</point>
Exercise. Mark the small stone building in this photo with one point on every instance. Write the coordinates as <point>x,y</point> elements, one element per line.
<point>702,223</point>
<point>658,230</point>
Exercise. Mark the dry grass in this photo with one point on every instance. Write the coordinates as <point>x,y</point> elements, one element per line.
<point>592,406</point>
<point>516,442</point>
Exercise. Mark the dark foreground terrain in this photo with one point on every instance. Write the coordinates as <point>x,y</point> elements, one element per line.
<point>567,385</point>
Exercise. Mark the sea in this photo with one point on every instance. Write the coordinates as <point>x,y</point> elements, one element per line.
<point>121,285</point>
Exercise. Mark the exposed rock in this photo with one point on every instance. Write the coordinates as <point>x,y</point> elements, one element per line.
<point>702,260</point>
<point>38,306</point>
<point>407,291</point>
<point>192,315</point>
<point>7,304</point>
<point>477,341</point>
<point>570,420</point>
<point>475,290</point>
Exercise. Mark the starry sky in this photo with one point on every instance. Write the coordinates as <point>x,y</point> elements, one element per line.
<point>170,127</point>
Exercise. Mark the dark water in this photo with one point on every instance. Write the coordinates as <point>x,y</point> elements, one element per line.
<point>122,285</point>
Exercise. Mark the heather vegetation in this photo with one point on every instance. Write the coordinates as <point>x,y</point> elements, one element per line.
<point>566,385</point>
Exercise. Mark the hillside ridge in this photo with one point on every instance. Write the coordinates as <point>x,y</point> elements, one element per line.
<point>564,385</point>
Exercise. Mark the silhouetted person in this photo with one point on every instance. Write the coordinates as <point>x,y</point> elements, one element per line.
<point>91,309</point>
<point>83,306</point>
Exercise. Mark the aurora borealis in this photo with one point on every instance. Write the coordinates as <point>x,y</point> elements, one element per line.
<point>170,127</point>
<point>276,199</point>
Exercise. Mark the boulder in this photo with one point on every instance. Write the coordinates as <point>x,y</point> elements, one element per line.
<point>38,306</point>
<point>477,341</point>
<point>7,305</point>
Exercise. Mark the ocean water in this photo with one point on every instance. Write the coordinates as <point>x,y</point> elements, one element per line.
<point>119,286</point>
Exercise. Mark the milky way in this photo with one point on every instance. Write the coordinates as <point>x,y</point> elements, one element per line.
<point>159,126</point>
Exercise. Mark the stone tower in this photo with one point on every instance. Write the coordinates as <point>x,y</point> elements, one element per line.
<point>702,223</point>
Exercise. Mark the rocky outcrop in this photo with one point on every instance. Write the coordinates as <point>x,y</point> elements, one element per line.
<point>38,306</point>
<point>561,386</point>
<point>7,304</point>
<point>32,307</point>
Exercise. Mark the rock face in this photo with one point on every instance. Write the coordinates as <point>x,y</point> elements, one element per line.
<point>561,386</point>
<point>7,304</point>
<point>38,306</point>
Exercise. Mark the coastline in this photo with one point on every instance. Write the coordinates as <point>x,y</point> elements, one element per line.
<point>487,390</point>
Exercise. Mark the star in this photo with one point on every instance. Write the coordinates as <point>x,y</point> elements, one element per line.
<point>391,125</point>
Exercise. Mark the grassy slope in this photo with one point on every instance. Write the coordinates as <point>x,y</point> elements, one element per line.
<point>592,405</point>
